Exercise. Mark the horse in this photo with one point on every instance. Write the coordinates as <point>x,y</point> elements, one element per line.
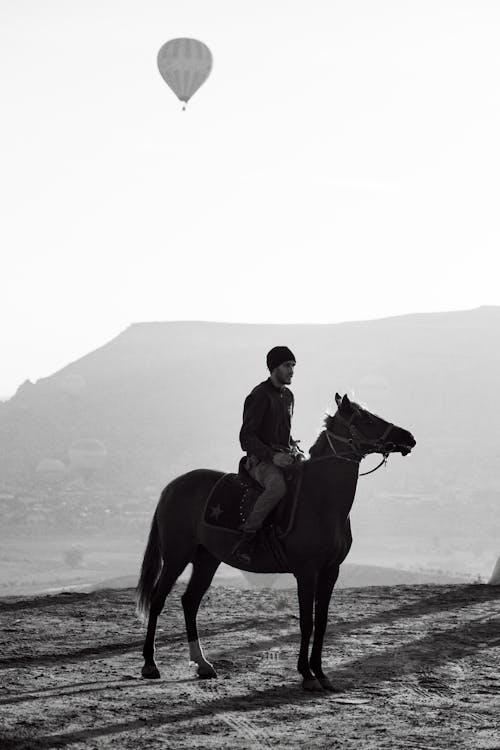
<point>315,546</point>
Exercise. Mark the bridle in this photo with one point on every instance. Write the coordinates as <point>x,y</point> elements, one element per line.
<point>358,439</point>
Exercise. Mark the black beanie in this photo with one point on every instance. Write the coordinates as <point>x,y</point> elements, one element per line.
<point>277,356</point>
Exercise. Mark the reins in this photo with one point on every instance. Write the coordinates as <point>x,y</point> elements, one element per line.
<point>355,435</point>
<point>355,442</point>
<point>296,466</point>
<point>383,462</point>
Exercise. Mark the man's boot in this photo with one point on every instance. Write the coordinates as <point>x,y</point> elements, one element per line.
<point>244,549</point>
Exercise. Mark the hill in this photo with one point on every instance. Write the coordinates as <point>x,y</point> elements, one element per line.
<point>351,576</point>
<point>165,397</point>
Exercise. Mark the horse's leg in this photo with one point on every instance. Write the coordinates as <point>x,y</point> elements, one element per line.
<point>306,584</point>
<point>204,567</point>
<point>170,572</point>
<point>324,588</point>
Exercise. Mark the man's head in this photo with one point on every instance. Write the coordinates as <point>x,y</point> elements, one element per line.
<point>281,362</point>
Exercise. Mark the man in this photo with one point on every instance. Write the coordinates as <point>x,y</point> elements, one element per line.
<point>265,436</point>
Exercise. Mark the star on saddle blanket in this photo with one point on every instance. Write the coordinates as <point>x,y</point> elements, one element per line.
<point>233,497</point>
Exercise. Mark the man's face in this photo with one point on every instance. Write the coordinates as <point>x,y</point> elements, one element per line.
<point>284,373</point>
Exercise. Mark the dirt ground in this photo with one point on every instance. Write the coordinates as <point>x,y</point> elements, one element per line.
<point>417,667</point>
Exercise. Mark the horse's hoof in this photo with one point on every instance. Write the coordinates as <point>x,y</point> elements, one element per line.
<point>326,684</point>
<point>206,672</point>
<point>312,685</point>
<point>150,672</point>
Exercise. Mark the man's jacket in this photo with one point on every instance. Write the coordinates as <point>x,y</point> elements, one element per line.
<point>267,415</point>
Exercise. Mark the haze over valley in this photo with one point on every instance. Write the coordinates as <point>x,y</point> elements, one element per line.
<point>85,453</point>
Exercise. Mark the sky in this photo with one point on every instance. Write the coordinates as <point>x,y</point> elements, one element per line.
<point>341,162</point>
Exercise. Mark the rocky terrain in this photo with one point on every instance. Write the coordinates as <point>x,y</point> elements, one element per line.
<point>414,666</point>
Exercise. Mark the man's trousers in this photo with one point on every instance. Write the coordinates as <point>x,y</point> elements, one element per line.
<point>270,477</point>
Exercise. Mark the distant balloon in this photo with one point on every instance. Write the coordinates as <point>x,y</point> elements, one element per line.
<point>50,466</point>
<point>185,65</point>
<point>88,453</point>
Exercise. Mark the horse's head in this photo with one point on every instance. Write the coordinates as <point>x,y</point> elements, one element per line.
<point>364,432</point>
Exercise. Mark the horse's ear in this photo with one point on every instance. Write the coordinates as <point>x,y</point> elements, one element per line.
<point>345,400</point>
<point>338,399</point>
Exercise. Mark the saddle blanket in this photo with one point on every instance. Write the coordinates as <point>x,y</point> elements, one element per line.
<point>231,500</point>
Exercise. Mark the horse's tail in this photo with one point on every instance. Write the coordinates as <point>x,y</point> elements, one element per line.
<point>150,572</point>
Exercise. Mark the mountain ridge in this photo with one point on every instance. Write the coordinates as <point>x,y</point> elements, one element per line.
<point>193,376</point>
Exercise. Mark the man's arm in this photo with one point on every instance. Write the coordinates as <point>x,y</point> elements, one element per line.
<point>292,404</point>
<point>297,453</point>
<point>291,442</point>
<point>253,414</point>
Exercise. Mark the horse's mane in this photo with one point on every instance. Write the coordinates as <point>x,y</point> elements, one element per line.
<point>317,447</point>
<point>328,421</point>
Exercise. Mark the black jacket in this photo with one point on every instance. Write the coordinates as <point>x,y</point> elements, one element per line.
<point>267,416</point>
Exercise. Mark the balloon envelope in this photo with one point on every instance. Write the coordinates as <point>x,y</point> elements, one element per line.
<point>50,466</point>
<point>185,65</point>
<point>88,453</point>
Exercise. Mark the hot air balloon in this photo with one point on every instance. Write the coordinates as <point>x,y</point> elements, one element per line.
<point>185,65</point>
<point>87,455</point>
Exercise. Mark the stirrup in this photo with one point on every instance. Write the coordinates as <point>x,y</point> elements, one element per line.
<point>244,547</point>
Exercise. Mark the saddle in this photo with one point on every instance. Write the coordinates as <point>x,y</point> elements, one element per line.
<point>233,496</point>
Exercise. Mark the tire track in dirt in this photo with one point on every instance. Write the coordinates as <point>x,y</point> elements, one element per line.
<point>231,706</point>
<point>245,729</point>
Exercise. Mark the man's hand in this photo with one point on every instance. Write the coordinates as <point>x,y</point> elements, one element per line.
<point>297,453</point>
<point>282,459</point>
